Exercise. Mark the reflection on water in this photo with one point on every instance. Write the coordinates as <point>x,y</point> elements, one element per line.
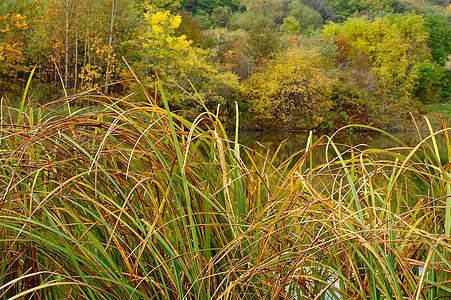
<point>408,192</point>
<point>266,144</point>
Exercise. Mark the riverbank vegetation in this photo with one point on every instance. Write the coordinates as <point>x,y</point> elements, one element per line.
<point>370,62</point>
<point>129,200</point>
<point>118,179</point>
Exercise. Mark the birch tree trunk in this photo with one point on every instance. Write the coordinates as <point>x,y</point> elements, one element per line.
<point>76,50</point>
<point>110,47</point>
<point>86,49</point>
<point>66,63</point>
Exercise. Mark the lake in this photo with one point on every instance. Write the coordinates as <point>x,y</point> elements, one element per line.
<point>267,142</point>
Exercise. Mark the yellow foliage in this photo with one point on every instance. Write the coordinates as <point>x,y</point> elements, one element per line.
<point>194,80</point>
<point>293,88</point>
<point>181,66</point>
<point>158,39</point>
<point>100,54</point>
<point>11,46</point>
<point>393,47</point>
<point>90,74</point>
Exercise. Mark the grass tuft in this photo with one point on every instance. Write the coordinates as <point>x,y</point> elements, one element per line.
<point>131,201</point>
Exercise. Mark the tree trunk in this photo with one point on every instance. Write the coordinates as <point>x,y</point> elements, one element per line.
<point>76,51</point>
<point>110,47</point>
<point>86,49</point>
<point>66,63</point>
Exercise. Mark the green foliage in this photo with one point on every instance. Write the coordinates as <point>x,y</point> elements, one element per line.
<point>430,81</point>
<point>262,42</point>
<point>306,16</point>
<point>203,82</point>
<point>275,10</point>
<point>352,102</point>
<point>439,37</point>
<point>219,17</point>
<point>393,47</point>
<point>425,7</point>
<point>273,13</point>
<point>169,5</point>
<point>249,20</point>
<point>207,6</point>
<point>232,49</point>
<point>374,6</point>
<point>291,25</point>
<point>343,9</point>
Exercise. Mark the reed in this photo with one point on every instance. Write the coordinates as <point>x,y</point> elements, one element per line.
<point>132,201</point>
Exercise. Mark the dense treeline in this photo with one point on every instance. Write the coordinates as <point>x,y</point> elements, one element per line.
<point>298,63</point>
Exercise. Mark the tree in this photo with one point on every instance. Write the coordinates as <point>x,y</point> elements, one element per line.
<point>158,42</point>
<point>346,8</point>
<point>179,65</point>
<point>392,47</point>
<point>291,25</point>
<point>293,89</point>
<point>190,27</point>
<point>439,37</point>
<point>164,5</point>
<point>78,40</point>
<point>12,58</point>
<point>195,78</point>
<point>263,42</point>
<point>207,6</point>
<point>232,49</point>
<point>306,16</point>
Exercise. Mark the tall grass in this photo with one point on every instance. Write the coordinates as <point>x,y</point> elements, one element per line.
<point>132,201</point>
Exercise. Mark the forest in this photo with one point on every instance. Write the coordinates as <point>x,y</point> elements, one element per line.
<point>291,63</point>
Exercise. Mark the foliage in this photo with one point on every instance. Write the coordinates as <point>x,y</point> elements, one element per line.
<point>293,88</point>
<point>207,6</point>
<point>263,42</point>
<point>343,9</point>
<point>164,5</point>
<point>425,7</point>
<point>291,25</point>
<point>158,40</point>
<point>12,48</point>
<point>306,16</point>
<point>232,49</point>
<point>188,72</point>
<point>92,72</point>
<point>64,37</point>
<point>79,44</point>
<point>195,81</point>
<point>249,20</point>
<point>430,81</point>
<point>219,17</point>
<point>439,37</point>
<point>190,27</point>
<point>352,102</point>
<point>393,47</point>
<point>272,14</point>
<point>275,10</point>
